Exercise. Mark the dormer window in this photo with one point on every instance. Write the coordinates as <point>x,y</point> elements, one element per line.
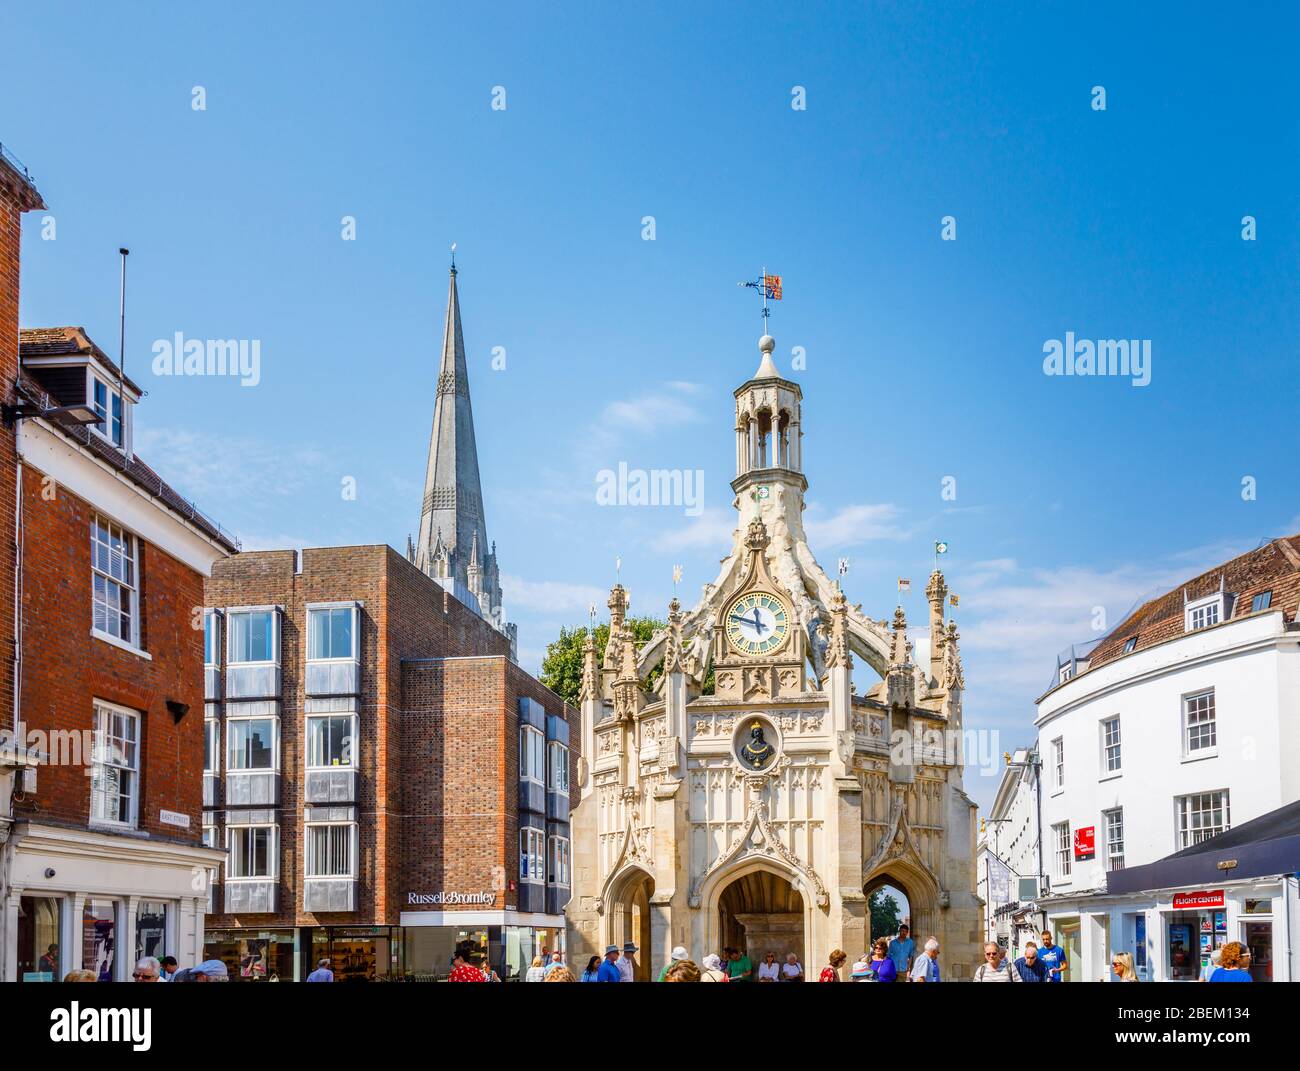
<point>106,400</point>
<point>1206,612</point>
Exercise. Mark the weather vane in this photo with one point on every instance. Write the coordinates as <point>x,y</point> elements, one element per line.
<point>769,288</point>
<point>453,256</point>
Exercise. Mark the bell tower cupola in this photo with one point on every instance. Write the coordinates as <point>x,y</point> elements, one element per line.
<point>769,433</point>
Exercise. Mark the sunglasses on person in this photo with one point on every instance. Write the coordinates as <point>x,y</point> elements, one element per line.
<point>143,974</point>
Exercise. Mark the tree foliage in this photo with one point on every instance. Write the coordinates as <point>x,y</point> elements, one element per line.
<point>562,666</point>
<point>885,918</point>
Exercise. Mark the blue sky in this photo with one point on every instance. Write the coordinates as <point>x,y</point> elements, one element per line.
<point>924,357</point>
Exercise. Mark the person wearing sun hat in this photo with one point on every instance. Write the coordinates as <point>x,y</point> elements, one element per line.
<point>609,971</point>
<point>679,953</point>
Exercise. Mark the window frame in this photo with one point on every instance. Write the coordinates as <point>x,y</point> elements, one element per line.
<point>1130,644</point>
<point>1261,601</point>
<point>248,611</point>
<point>94,379</point>
<point>1206,751</point>
<point>332,608</point>
<point>351,748</point>
<point>231,722</point>
<point>554,766</point>
<point>1058,765</point>
<point>559,862</point>
<point>212,745</point>
<point>104,707</point>
<point>309,851</point>
<point>1208,605</point>
<point>211,639</point>
<point>532,855</point>
<point>529,734</point>
<point>99,520</point>
<point>272,851</point>
<point>1103,725</point>
<point>1110,817</point>
<point>1063,851</point>
<point>1184,835</point>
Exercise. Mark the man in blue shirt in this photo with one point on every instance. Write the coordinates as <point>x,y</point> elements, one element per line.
<point>1030,966</point>
<point>322,973</point>
<point>902,949</point>
<point>1053,957</point>
<point>609,971</point>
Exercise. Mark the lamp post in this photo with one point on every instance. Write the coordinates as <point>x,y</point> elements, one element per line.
<point>1027,759</point>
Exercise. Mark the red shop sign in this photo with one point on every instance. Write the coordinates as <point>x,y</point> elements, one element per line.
<point>1085,842</point>
<point>1213,898</point>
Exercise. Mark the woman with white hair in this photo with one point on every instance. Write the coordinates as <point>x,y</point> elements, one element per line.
<point>1216,957</point>
<point>713,971</point>
<point>792,969</point>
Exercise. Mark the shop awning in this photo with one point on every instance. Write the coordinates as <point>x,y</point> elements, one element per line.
<point>1264,846</point>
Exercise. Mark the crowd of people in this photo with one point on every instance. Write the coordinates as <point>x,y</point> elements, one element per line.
<point>152,969</point>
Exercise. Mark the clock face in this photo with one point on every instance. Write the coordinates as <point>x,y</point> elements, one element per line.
<point>757,623</point>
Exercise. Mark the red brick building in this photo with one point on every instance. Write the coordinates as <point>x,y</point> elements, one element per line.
<point>366,732</point>
<point>103,657</point>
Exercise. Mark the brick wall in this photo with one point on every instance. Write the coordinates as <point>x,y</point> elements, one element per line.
<point>65,668</point>
<point>14,200</point>
<point>438,755</point>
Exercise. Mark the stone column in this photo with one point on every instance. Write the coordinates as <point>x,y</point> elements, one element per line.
<point>9,937</point>
<point>128,911</point>
<point>75,927</point>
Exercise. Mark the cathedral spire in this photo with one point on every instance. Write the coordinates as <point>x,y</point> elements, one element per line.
<point>452,511</point>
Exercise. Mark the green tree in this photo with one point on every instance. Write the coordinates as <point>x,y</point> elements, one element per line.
<point>885,918</point>
<point>562,666</point>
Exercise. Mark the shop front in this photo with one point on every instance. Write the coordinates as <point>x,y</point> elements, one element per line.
<point>82,899</point>
<point>511,941</point>
<point>253,955</point>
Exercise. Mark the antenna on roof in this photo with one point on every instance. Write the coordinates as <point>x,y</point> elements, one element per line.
<point>121,361</point>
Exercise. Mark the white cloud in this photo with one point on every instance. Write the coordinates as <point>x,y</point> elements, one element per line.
<point>657,409</point>
<point>852,525</point>
<point>711,529</point>
<point>553,595</point>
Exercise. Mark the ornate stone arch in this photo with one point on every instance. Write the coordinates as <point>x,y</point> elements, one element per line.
<point>716,883</point>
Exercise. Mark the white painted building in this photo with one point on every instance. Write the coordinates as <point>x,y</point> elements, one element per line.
<point>1184,722</point>
<point>1010,864</point>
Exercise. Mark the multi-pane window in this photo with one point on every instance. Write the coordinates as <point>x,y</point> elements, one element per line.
<point>330,633</point>
<point>532,855</point>
<point>1130,644</point>
<point>115,769</point>
<point>330,851</point>
<point>1203,616</point>
<point>114,582</point>
<point>1110,745</point>
<point>209,638</point>
<point>251,852</point>
<point>108,407</point>
<point>250,636</point>
<point>532,755</point>
<point>1114,832</point>
<point>329,740</point>
<point>557,871</point>
<point>557,776</point>
<point>1262,601</point>
<point>1201,816</point>
<point>1061,839</point>
<point>1058,752</point>
<point>211,745</point>
<point>250,744</point>
<point>1199,729</point>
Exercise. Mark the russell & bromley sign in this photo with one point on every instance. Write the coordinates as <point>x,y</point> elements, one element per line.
<point>451,899</point>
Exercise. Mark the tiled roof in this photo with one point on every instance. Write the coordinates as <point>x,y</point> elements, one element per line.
<point>62,342</point>
<point>132,467</point>
<point>1274,567</point>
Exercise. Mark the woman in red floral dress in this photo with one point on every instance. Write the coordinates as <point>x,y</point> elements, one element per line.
<point>832,973</point>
